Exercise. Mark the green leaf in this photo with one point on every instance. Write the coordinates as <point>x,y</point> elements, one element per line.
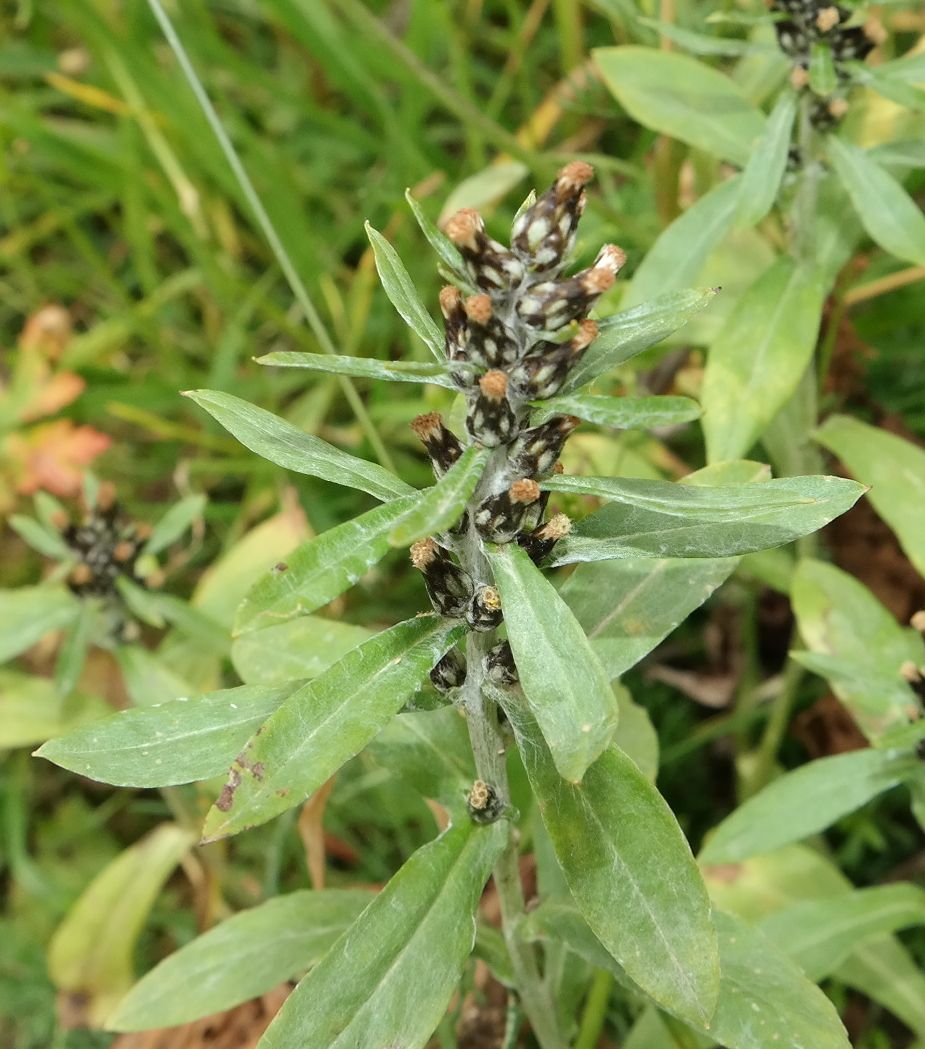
<point>163,744</point>
<point>41,537</point>
<point>675,260</point>
<point>762,176</point>
<point>821,934</point>
<point>442,505</point>
<point>176,521</point>
<point>860,642</point>
<point>388,980</point>
<point>431,750</point>
<point>894,88</point>
<point>29,613</point>
<point>439,241</point>
<point>403,294</point>
<point>363,367</point>
<point>565,684</point>
<point>684,98</point>
<point>148,679</point>
<point>622,413</point>
<point>895,470</point>
<point>705,43</point>
<point>32,710</point>
<point>73,651</point>
<point>628,333</point>
<point>890,216</point>
<point>663,518</point>
<point>317,571</point>
<point>90,954</point>
<point>301,648</point>
<point>483,189</point>
<point>327,722</point>
<point>239,959</point>
<point>763,1000</point>
<point>780,814</point>
<point>281,443</point>
<point>757,361</point>
<point>144,604</point>
<point>636,735</point>
<point>910,68</point>
<point>630,871</point>
<point>822,77</point>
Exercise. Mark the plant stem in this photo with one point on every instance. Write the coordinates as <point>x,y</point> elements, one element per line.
<point>595,1011</point>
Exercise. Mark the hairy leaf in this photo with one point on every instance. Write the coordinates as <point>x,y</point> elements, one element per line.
<point>765,168</point>
<point>362,367</point>
<point>442,505</point>
<point>29,613</point>
<point>623,413</point>
<point>301,648</point>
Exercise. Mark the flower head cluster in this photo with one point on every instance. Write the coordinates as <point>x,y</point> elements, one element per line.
<point>808,23</point>
<point>511,343</point>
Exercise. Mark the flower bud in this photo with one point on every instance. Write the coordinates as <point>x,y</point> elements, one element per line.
<point>489,263</point>
<point>551,305</point>
<point>450,672</point>
<point>542,539</point>
<point>542,373</point>
<point>544,234</point>
<point>490,420</point>
<point>484,803</point>
<point>827,18</point>
<point>442,444</point>
<point>484,612</point>
<point>499,517</point>
<point>852,43</point>
<point>449,587</point>
<point>488,343</point>
<point>499,664</point>
<point>535,451</point>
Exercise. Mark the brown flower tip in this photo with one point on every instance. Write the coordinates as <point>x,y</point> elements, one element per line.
<point>493,384</point>
<point>428,426</point>
<point>567,423</point>
<point>908,671</point>
<point>557,467</point>
<point>478,309</point>
<point>143,530</point>
<point>574,176</point>
<point>917,622</point>
<point>556,528</point>
<point>423,553</point>
<point>155,580</point>
<point>106,496</point>
<point>123,551</point>
<point>490,598</point>
<point>827,19</point>
<point>480,796</point>
<point>838,107</point>
<point>450,299</point>
<point>799,78</point>
<point>597,281</point>
<point>81,574</point>
<point>60,519</point>
<point>875,32</point>
<point>464,228</point>
<point>587,333</point>
<point>524,491</point>
<point>612,258</point>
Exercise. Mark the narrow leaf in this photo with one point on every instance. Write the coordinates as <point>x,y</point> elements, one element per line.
<point>31,612</point>
<point>363,367</point>
<point>239,959</point>
<point>757,361</point>
<point>41,537</point>
<point>301,648</point>
<point>781,814</point>
<point>282,443</point>
<point>33,710</point>
<point>442,505</point>
<point>822,76</point>
<point>563,680</point>
<point>177,742</point>
<point>628,333</point>
<point>317,571</point>
<point>175,522</point>
<point>890,216</point>
<point>403,294</point>
<point>438,240</point>
<point>684,98</point>
<point>327,722</point>
<point>630,871</point>
<point>388,980</point>
<point>895,470</point>
<point>765,168</point>
<point>622,413</point>
<point>665,519</point>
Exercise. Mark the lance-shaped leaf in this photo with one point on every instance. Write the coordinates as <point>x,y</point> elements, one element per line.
<point>757,361</point>
<point>684,98</point>
<point>317,571</point>
<point>806,801</point>
<point>895,470</point>
<point>675,260</point>
<point>32,709</point>
<point>90,954</point>
<point>895,89</point>
<point>363,367</point>
<point>282,443</point>
<point>563,680</point>
<point>856,644</point>
<point>177,742</point>
<point>327,722</point>
<point>765,168</point>
<point>177,519</point>
<point>431,750</point>
<point>43,537</point>
<point>821,934</point>
<point>628,333</point>
<point>403,294</point>
<point>890,216</point>
<point>442,505</point>
<point>675,520</point>
<point>239,959</point>
<point>630,871</point>
<point>622,413</point>
<point>301,648</point>
<point>439,241</point>
<point>822,76</point>
<point>388,980</point>
<point>764,999</point>
<point>31,612</point>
